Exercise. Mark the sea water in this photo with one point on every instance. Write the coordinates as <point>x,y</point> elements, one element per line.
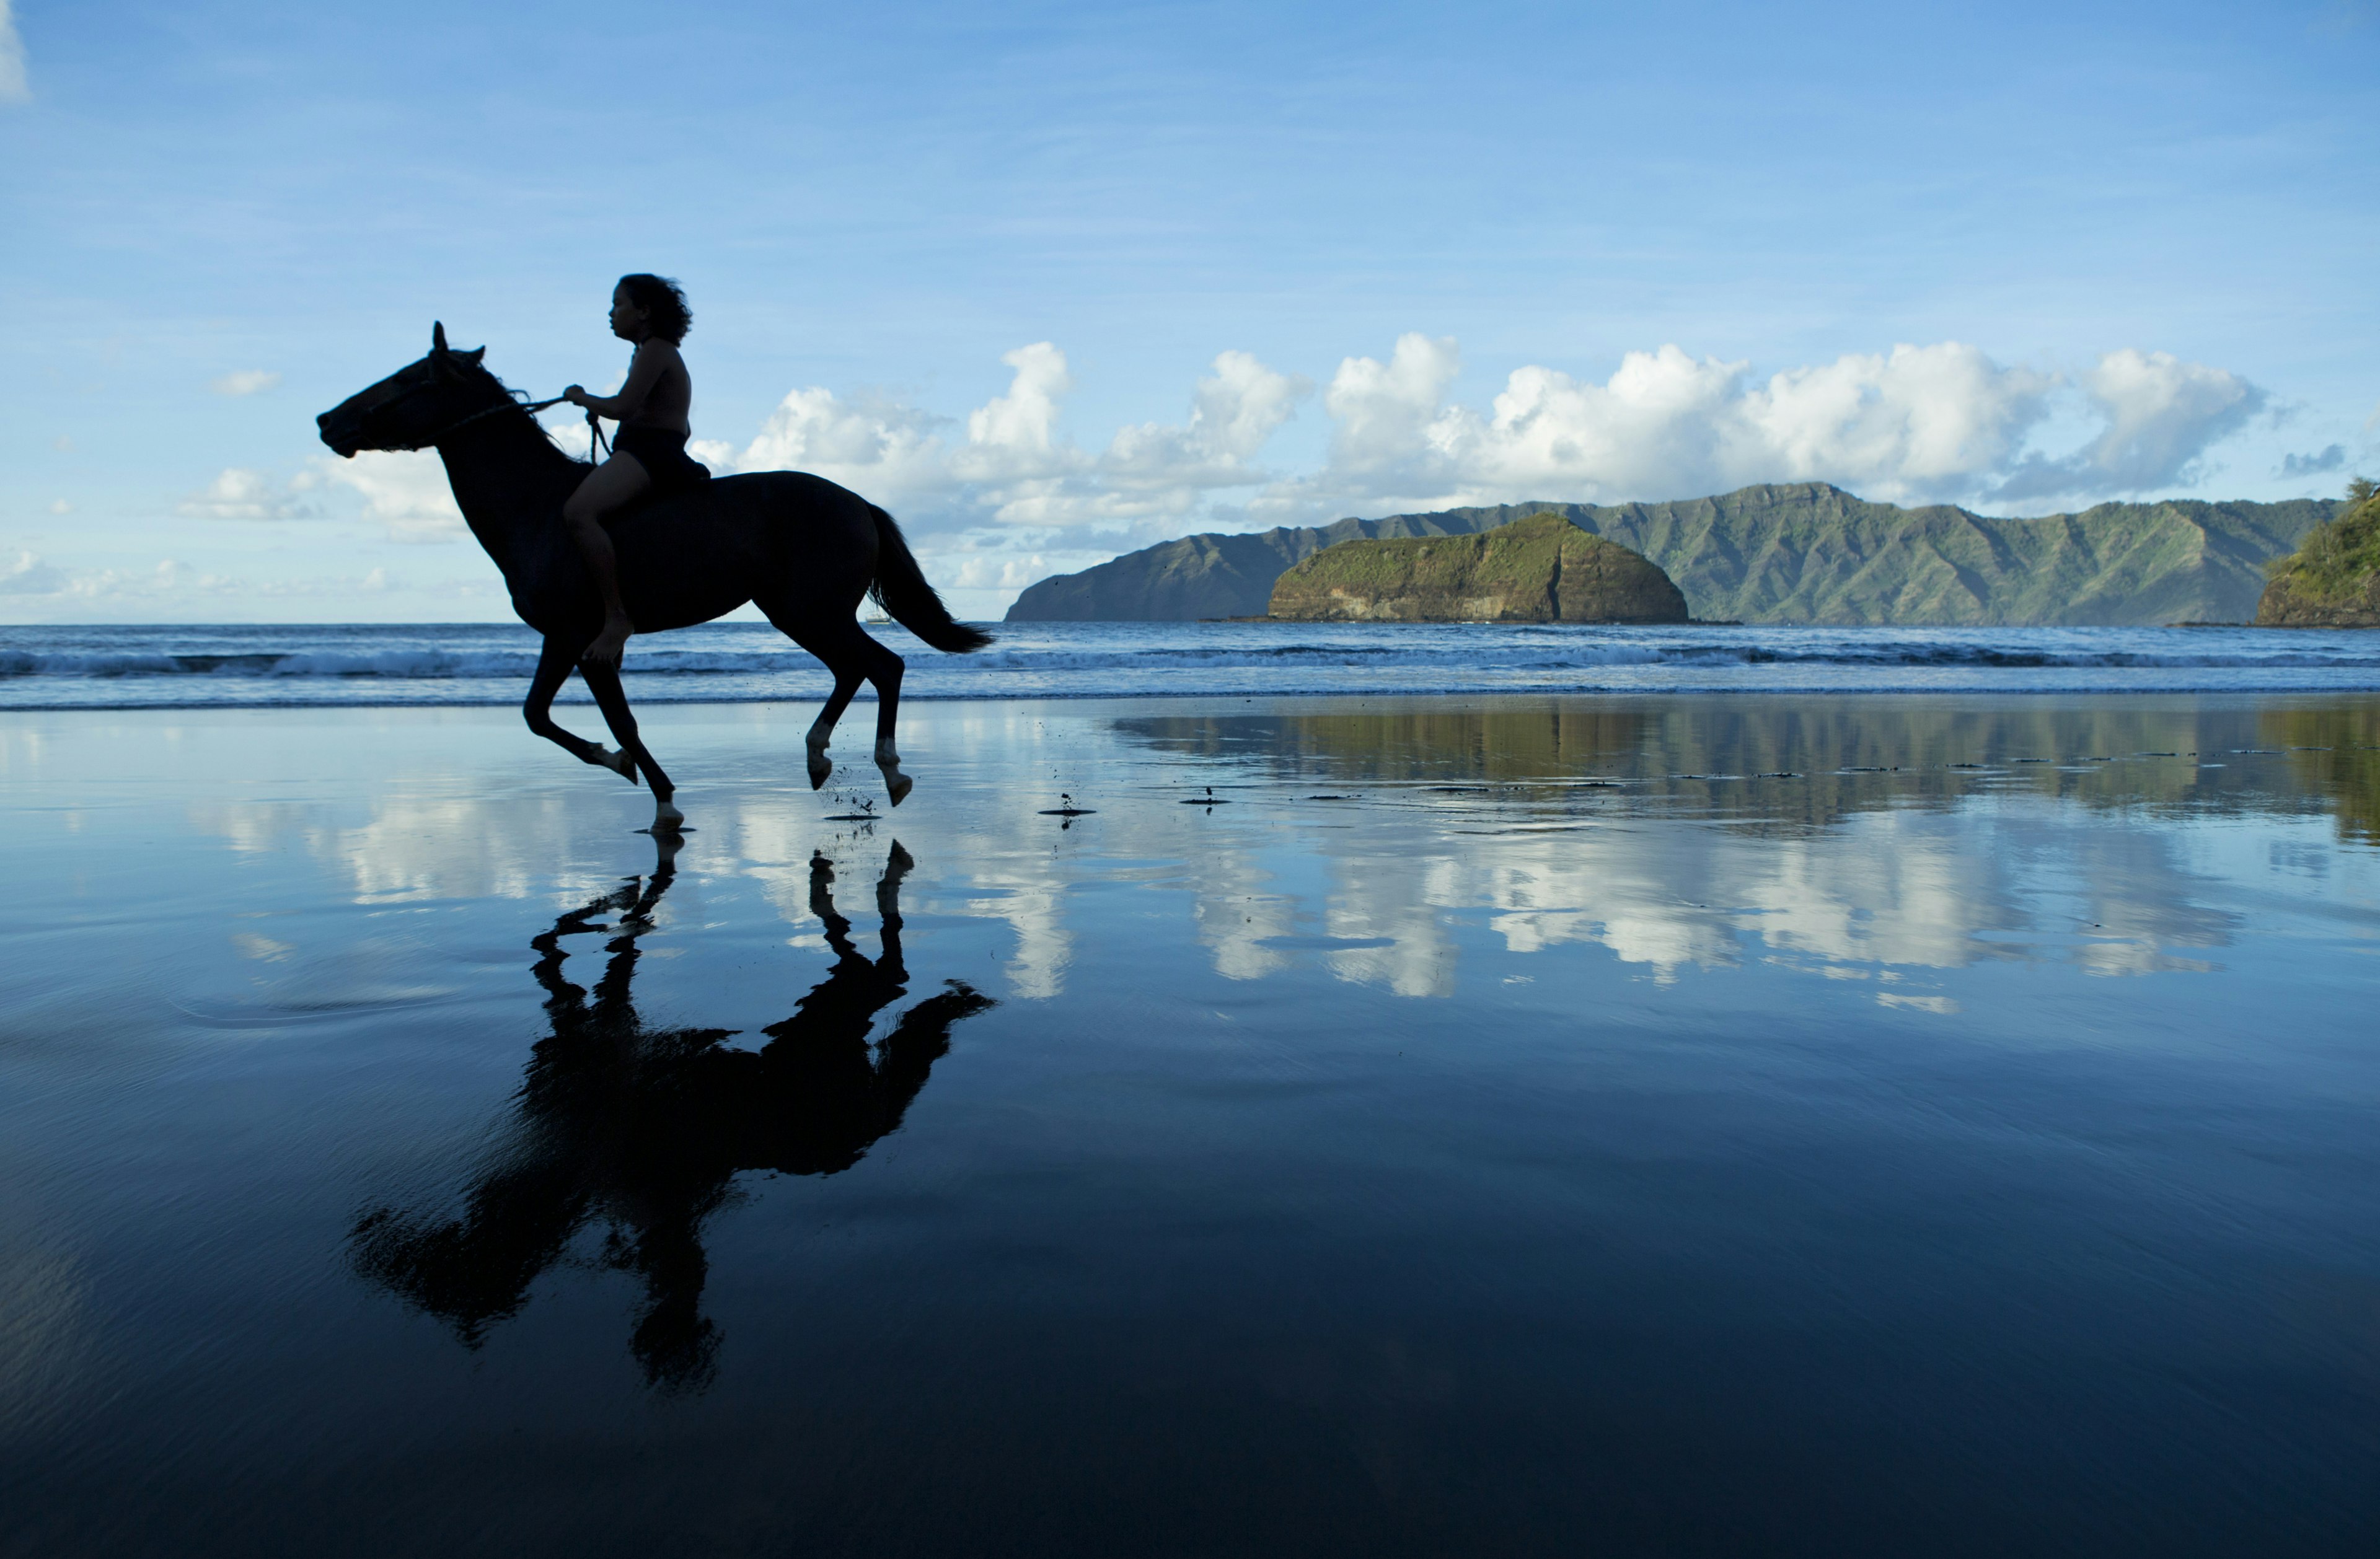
<point>466,664</point>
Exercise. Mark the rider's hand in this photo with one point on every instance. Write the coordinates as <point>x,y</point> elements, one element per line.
<point>575,395</point>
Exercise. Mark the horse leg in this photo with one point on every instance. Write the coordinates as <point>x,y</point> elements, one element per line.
<point>786,617</point>
<point>604,682</point>
<point>554,664</point>
<point>885,670</point>
<point>847,683</point>
<point>851,655</point>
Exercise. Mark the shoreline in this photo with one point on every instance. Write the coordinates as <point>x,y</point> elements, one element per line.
<point>868,698</point>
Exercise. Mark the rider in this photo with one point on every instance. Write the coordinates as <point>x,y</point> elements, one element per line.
<point>648,452</point>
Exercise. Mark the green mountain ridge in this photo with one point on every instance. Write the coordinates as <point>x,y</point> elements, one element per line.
<point>1793,552</point>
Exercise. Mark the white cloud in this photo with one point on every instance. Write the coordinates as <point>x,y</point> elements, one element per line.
<point>60,506</point>
<point>2329,459</point>
<point>238,493</point>
<point>1014,468</point>
<point>874,445</point>
<point>171,578</point>
<point>247,382</point>
<point>2160,415</point>
<point>27,574</point>
<point>405,490</point>
<point>1917,423</point>
<point>1390,420</point>
<point>1943,422</point>
<point>34,589</point>
<point>14,85</point>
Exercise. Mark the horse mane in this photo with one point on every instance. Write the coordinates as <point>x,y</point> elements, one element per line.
<point>545,435</point>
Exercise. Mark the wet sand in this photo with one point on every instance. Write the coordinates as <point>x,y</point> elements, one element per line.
<point>1681,1125</point>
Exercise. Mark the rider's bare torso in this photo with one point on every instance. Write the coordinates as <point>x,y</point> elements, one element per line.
<point>667,390</point>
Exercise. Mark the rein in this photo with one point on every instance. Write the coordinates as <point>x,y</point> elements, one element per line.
<point>602,446</point>
<point>529,408</point>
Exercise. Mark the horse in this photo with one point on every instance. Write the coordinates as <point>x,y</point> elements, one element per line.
<point>800,548</point>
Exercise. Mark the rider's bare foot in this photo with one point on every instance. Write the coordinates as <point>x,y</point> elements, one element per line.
<point>609,644</point>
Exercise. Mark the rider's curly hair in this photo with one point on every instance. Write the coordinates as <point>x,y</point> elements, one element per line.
<point>665,304</point>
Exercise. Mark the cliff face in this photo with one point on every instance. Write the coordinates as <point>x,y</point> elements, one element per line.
<point>2333,579</point>
<point>1542,569</point>
<point>1797,552</point>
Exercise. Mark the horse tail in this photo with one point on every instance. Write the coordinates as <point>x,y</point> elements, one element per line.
<point>901,589</point>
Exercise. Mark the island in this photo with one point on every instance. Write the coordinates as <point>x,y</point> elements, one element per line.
<point>1541,569</point>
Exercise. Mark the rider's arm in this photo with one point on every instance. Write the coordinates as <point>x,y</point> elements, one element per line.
<point>645,371</point>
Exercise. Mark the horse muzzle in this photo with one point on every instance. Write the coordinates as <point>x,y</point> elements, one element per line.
<point>344,434</point>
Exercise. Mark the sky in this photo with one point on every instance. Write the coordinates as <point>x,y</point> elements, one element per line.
<point>1055,282</point>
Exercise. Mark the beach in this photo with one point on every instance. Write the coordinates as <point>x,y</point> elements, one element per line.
<point>1515,1122</point>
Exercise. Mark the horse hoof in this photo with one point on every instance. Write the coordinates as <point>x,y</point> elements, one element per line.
<point>667,819</point>
<point>620,764</point>
<point>898,784</point>
<point>821,767</point>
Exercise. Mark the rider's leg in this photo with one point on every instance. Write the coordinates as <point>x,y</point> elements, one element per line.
<point>619,480</point>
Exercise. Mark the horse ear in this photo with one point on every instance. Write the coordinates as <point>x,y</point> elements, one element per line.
<point>438,337</point>
<point>473,356</point>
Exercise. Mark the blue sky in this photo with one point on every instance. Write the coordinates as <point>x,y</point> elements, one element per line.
<point>1053,282</point>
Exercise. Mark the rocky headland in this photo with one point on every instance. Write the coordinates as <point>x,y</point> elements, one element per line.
<point>2333,579</point>
<point>1541,569</point>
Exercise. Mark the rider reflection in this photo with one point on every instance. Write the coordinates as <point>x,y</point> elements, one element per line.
<point>644,1130</point>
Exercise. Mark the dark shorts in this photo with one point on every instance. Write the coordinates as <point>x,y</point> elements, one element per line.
<point>662,454</point>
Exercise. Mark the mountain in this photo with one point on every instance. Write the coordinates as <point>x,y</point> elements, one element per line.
<point>1542,569</point>
<point>2333,579</point>
<point>1795,552</point>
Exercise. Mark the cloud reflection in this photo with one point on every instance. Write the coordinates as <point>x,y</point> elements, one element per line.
<point>1678,835</point>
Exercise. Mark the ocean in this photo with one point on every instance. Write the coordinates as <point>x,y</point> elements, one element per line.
<point>338,665</point>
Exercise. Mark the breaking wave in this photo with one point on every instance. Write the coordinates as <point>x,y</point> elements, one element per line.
<point>484,664</point>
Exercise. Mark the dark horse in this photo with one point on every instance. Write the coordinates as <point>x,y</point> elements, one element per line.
<point>645,1130</point>
<point>801,549</point>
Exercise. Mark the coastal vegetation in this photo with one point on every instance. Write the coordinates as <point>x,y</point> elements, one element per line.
<point>2333,579</point>
<point>1793,552</point>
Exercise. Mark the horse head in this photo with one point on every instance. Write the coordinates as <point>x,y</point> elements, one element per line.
<point>411,407</point>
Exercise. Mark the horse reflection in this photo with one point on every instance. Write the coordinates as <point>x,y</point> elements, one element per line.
<point>645,1130</point>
